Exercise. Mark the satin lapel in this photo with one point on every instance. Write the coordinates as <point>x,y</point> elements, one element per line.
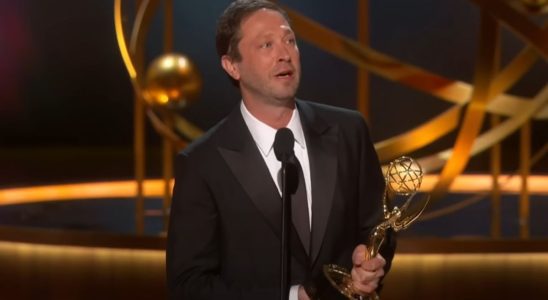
<point>246,163</point>
<point>321,140</point>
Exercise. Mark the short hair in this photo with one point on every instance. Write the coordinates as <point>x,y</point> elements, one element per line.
<point>228,26</point>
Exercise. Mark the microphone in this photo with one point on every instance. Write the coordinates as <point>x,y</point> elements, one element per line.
<point>283,148</point>
<point>283,144</point>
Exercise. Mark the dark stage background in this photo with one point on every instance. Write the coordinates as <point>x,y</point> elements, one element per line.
<point>66,116</point>
<point>66,101</point>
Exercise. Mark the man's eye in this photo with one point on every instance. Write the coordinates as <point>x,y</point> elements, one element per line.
<point>266,45</point>
<point>292,41</point>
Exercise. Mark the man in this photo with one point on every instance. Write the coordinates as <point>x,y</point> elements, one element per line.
<point>224,233</point>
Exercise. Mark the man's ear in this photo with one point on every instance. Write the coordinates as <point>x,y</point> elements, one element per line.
<point>230,67</point>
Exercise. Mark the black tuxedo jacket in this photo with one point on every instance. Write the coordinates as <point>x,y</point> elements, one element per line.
<point>224,232</point>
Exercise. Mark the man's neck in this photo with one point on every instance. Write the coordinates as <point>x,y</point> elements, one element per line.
<point>274,116</point>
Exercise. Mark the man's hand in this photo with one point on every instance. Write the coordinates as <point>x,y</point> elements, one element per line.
<point>302,294</point>
<point>366,273</point>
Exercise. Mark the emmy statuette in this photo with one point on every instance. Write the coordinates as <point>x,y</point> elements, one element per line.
<point>403,179</point>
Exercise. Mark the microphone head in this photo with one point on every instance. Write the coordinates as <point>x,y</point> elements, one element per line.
<point>283,144</point>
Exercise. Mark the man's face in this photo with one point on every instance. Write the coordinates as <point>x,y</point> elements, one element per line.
<point>270,69</point>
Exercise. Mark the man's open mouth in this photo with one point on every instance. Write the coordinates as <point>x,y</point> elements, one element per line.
<point>285,74</point>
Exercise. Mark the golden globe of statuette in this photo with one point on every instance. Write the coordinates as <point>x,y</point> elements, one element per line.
<point>172,79</point>
<point>404,176</point>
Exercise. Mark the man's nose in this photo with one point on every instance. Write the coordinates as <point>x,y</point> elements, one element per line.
<point>283,53</point>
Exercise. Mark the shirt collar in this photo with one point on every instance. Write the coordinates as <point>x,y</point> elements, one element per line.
<point>264,135</point>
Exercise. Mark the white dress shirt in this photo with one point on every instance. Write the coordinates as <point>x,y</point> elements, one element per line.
<point>264,135</point>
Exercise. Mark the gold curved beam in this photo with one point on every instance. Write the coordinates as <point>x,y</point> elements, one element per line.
<point>128,54</point>
<point>139,33</point>
<point>493,136</point>
<point>135,51</point>
<point>137,46</point>
<point>487,61</point>
<point>453,91</point>
<point>419,136</point>
<point>524,28</point>
<point>507,78</point>
<point>186,128</point>
<point>164,130</point>
<point>504,182</point>
<point>447,121</point>
<point>121,39</point>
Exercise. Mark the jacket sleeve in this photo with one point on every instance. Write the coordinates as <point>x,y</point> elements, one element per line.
<point>371,190</point>
<point>193,248</point>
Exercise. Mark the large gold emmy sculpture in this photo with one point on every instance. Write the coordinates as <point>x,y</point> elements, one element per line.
<point>403,179</point>
<point>471,102</point>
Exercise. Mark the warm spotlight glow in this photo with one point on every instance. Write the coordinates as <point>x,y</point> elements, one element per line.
<point>183,62</point>
<point>168,63</point>
<point>38,251</point>
<point>91,190</point>
<point>155,188</point>
<point>75,272</point>
<point>466,184</point>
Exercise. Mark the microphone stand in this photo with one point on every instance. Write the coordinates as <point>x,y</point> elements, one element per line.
<point>285,240</point>
<point>283,148</point>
